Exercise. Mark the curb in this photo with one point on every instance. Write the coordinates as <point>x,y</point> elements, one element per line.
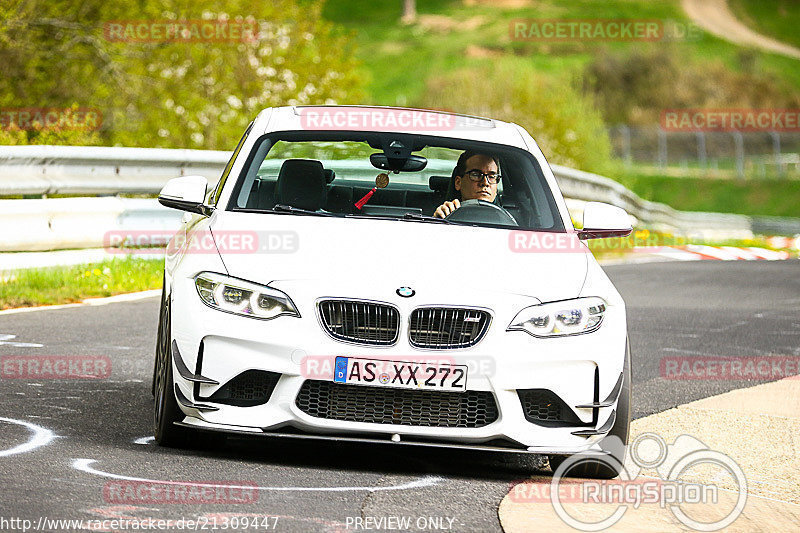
<point>696,252</point>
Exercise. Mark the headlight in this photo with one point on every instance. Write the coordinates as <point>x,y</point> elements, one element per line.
<point>243,297</point>
<point>556,319</point>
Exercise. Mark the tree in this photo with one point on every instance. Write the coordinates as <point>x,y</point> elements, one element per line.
<point>167,93</point>
<point>565,123</point>
<point>409,12</point>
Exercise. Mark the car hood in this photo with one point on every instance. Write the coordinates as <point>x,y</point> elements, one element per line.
<point>365,258</point>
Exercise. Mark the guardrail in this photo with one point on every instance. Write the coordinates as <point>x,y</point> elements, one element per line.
<point>95,170</point>
<point>580,187</point>
<point>45,224</point>
<point>64,223</point>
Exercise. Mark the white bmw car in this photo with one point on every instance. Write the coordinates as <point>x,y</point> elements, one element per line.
<point>319,290</point>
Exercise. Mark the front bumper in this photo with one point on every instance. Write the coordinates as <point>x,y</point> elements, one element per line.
<point>582,370</point>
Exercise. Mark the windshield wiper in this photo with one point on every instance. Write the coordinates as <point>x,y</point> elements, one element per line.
<point>425,218</point>
<point>282,208</point>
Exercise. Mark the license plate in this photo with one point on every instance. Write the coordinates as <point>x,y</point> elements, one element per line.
<point>400,374</point>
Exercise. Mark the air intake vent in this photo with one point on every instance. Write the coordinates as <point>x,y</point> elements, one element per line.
<point>252,387</point>
<point>544,407</point>
<point>447,327</point>
<point>360,322</point>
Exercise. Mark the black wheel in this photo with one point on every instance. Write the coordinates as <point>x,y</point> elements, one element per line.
<point>160,335</point>
<point>166,410</point>
<point>615,443</point>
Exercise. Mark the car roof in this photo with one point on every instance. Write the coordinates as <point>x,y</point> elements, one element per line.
<point>391,119</point>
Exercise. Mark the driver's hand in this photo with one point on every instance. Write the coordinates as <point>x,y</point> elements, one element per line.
<point>447,208</point>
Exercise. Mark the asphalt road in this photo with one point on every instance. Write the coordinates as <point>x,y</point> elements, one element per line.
<point>674,309</point>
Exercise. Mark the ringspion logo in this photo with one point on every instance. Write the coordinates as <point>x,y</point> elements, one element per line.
<point>675,488</point>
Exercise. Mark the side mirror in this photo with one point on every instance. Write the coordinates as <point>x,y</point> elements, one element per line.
<point>186,193</point>
<point>601,221</point>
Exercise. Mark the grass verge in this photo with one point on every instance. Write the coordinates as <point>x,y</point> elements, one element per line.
<point>67,284</point>
<point>766,197</point>
<point>776,18</point>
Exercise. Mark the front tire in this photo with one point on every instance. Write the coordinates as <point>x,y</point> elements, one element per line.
<point>162,311</point>
<point>166,410</point>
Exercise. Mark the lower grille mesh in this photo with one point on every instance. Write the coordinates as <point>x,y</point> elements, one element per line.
<point>252,387</point>
<point>378,405</point>
<point>542,405</point>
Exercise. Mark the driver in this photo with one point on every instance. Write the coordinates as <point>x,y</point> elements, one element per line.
<point>477,176</point>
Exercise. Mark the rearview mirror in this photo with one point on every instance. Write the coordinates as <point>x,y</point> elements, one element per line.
<point>186,193</point>
<point>601,221</point>
<point>411,163</point>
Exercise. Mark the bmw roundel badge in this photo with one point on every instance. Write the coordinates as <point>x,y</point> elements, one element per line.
<point>406,292</point>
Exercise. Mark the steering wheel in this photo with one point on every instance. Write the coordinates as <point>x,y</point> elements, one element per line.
<point>481,211</point>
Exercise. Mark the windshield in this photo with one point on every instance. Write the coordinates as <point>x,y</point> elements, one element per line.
<point>332,174</point>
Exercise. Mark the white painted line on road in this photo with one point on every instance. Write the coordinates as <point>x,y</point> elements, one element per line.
<point>7,340</point>
<point>84,465</point>
<point>128,297</point>
<point>41,437</point>
<point>38,308</point>
<point>144,440</point>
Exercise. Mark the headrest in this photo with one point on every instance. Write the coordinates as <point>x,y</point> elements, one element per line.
<point>452,193</point>
<point>439,183</point>
<point>330,175</point>
<point>301,184</point>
